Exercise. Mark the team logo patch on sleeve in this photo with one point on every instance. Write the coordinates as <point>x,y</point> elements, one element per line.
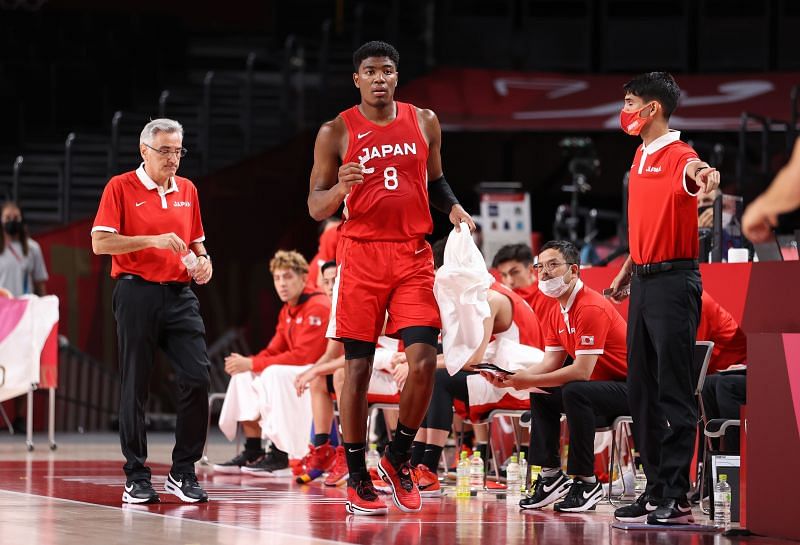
<point>314,320</point>
<point>587,340</point>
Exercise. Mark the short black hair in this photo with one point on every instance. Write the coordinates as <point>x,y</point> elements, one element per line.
<point>513,252</point>
<point>438,252</point>
<point>327,265</point>
<point>376,49</point>
<point>567,249</point>
<point>659,86</point>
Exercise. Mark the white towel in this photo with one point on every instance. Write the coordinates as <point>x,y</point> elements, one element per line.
<point>461,289</point>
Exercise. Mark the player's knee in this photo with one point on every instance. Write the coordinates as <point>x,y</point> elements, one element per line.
<point>319,385</point>
<point>358,350</point>
<point>420,334</point>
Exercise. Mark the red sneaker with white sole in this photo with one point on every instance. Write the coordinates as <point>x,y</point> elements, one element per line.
<point>403,481</point>
<point>362,499</point>
<point>320,459</point>
<point>338,473</point>
<point>428,482</point>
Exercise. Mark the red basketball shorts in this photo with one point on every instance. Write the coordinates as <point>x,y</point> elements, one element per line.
<point>381,283</point>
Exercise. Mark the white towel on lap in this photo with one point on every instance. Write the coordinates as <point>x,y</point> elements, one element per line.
<point>271,399</point>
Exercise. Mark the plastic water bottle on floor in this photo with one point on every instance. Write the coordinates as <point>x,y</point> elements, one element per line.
<point>373,457</point>
<point>639,482</point>
<point>462,476</point>
<point>722,503</point>
<point>476,471</point>
<point>523,473</point>
<point>512,480</point>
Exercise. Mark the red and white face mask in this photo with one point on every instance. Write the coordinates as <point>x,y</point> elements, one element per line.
<point>631,123</point>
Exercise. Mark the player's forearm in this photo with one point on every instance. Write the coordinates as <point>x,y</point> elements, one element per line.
<point>783,195</point>
<point>323,203</point>
<point>115,244</point>
<point>328,367</point>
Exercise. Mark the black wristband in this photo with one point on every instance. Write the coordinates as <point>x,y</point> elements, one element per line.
<point>441,195</point>
<point>204,255</point>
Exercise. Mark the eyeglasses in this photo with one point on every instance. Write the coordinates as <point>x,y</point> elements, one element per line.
<point>180,152</point>
<point>550,266</point>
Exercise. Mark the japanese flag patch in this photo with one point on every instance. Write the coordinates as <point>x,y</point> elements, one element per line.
<point>587,340</point>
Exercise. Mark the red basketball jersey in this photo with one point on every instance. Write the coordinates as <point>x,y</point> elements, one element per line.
<point>392,203</point>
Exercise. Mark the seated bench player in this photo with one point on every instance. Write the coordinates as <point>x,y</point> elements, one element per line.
<point>260,396</point>
<point>589,329</point>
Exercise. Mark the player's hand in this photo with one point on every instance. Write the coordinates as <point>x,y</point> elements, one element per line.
<point>202,273</point>
<point>620,286</point>
<point>708,179</point>
<point>169,241</point>
<point>758,221</point>
<point>302,380</point>
<point>400,375</point>
<point>398,358</point>
<point>236,363</point>
<point>458,215</point>
<point>706,219</point>
<point>350,174</point>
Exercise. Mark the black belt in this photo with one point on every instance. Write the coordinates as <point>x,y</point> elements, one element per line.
<point>664,266</point>
<point>140,279</point>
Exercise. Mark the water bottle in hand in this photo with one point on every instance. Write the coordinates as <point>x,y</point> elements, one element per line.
<point>189,260</point>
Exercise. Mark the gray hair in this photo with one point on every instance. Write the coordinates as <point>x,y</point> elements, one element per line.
<point>159,125</point>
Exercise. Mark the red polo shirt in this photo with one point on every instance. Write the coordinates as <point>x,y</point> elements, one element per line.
<point>590,325</point>
<point>662,205</point>
<point>132,205</point>
<point>730,342</point>
<point>300,335</point>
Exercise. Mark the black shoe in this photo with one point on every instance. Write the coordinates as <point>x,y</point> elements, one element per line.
<point>582,496</point>
<point>672,511</point>
<point>140,491</point>
<point>185,486</point>
<point>246,458</point>
<point>272,464</point>
<point>637,511</point>
<point>546,490</point>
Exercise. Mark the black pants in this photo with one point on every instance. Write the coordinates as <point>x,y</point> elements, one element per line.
<point>586,404</point>
<point>151,316</point>
<point>723,396</point>
<point>445,390</point>
<point>662,325</point>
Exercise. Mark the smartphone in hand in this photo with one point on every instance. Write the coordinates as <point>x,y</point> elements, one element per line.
<point>492,368</point>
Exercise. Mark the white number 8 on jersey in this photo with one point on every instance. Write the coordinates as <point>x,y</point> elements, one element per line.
<point>390,178</point>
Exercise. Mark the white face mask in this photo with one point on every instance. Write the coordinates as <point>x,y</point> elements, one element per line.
<point>554,287</point>
<point>726,218</point>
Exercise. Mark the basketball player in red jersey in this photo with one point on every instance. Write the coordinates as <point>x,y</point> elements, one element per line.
<point>382,159</point>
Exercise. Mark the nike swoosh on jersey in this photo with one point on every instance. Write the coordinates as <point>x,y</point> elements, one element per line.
<point>561,330</point>
<point>363,134</point>
<point>140,203</point>
<point>419,251</point>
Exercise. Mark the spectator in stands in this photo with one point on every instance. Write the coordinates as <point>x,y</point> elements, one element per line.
<point>781,197</point>
<point>589,329</point>
<point>22,271</point>
<point>154,305</point>
<point>22,268</point>
<point>259,395</point>
<point>511,319</point>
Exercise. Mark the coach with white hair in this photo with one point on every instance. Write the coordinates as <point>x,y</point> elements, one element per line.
<point>149,222</point>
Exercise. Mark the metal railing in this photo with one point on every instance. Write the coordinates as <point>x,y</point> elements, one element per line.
<point>87,397</point>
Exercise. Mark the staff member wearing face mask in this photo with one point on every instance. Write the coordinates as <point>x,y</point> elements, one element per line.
<point>589,329</point>
<point>22,269</point>
<point>665,290</point>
